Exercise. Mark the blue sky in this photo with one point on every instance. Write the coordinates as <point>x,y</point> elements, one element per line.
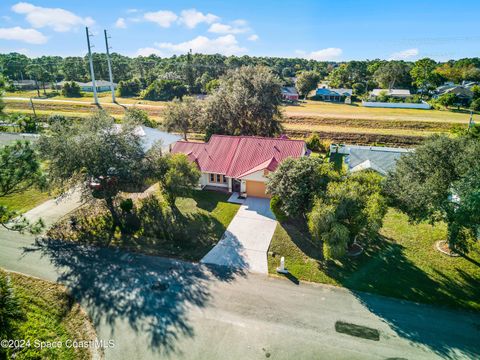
<point>322,30</point>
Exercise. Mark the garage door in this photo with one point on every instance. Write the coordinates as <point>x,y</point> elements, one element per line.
<point>256,188</point>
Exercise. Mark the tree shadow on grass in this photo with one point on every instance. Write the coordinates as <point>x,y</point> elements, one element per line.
<point>387,271</point>
<point>384,269</point>
<point>153,295</point>
<point>208,199</point>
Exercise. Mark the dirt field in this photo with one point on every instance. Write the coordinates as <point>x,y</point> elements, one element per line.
<point>337,122</point>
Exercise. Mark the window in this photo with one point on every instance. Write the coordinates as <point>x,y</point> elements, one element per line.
<point>224,179</point>
<point>212,178</point>
<point>218,178</point>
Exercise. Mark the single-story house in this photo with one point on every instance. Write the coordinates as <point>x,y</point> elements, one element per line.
<point>24,84</point>
<point>398,93</point>
<point>150,136</point>
<point>239,163</point>
<point>335,95</point>
<point>101,85</point>
<point>380,159</point>
<point>462,91</point>
<point>289,93</point>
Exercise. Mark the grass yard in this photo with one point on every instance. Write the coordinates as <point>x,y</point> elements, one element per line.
<point>404,264</point>
<point>25,200</point>
<point>187,233</point>
<point>48,313</point>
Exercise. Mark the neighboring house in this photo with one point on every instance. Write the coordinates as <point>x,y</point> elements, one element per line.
<point>335,95</point>
<point>398,93</point>
<point>101,85</point>
<point>462,91</point>
<point>380,159</point>
<point>239,163</point>
<point>24,84</point>
<point>151,136</point>
<point>289,93</point>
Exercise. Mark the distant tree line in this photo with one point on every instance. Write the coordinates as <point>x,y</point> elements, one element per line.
<point>196,72</point>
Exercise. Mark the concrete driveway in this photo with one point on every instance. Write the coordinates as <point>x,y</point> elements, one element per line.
<point>245,242</point>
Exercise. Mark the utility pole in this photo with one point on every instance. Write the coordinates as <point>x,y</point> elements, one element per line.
<point>94,84</point>
<point>109,66</point>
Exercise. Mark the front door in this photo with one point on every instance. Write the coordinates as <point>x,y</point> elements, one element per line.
<point>236,185</point>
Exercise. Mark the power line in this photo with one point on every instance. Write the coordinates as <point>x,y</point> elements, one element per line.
<point>94,85</point>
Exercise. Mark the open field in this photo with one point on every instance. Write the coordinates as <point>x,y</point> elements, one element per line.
<point>337,122</point>
<point>402,264</point>
<point>48,313</point>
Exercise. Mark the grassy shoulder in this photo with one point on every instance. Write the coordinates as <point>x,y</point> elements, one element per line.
<point>402,264</point>
<point>24,200</point>
<point>48,313</point>
<point>187,232</point>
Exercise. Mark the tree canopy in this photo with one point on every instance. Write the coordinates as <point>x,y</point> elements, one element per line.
<point>95,155</point>
<point>296,182</point>
<point>19,170</point>
<point>306,82</point>
<point>182,115</point>
<point>440,182</point>
<point>350,209</point>
<point>247,102</point>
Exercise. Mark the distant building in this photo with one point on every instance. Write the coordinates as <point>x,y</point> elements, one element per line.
<point>24,84</point>
<point>398,93</point>
<point>334,95</point>
<point>380,159</point>
<point>463,92</point>
<point>289,93</point>
<point>150,136</point>
<point>101,85</point>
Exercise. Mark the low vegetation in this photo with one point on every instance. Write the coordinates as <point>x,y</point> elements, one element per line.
<point>152,227</point>
<point>33,309</point>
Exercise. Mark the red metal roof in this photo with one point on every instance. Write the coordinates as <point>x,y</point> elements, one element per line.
<point>237,156</point>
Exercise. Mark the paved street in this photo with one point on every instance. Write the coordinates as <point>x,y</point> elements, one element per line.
<point>246,240</point>
<point>160,308</point>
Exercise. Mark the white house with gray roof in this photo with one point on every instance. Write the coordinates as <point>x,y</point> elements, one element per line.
<point>380,159</point>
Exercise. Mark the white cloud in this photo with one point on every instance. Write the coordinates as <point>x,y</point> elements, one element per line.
<point>404,55</point>
<point>148,51</point>
<point>253,37</point>
<point>191,18</point>
<point>58,19</point>
<point>163,18</point>
<point>226,45</point>
<point>17,33</point>
<point>321,55</point>
<point>121,23</point>
<point>132,11</point>
<point>238,27</point>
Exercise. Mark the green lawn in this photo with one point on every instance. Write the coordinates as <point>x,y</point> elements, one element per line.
<point>404,264</point>
<point>48,313</point>
<point>25,200</point>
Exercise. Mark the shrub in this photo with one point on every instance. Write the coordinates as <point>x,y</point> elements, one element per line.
<point>126,205</point>
<point>127,88</point>
<point>57,119</point>
<point>276,207</point>
<point>164,90</point>
<point>138,116</point>
<point>475,106</point>
<point>314,143</point>
<point>71,89</point>
<point>9,308</point>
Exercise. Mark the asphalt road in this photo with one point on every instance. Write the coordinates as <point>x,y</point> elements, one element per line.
<point>159,308</point>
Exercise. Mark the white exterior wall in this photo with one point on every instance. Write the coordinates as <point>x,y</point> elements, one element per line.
<point>206,181</point>
<point>423,105</point>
